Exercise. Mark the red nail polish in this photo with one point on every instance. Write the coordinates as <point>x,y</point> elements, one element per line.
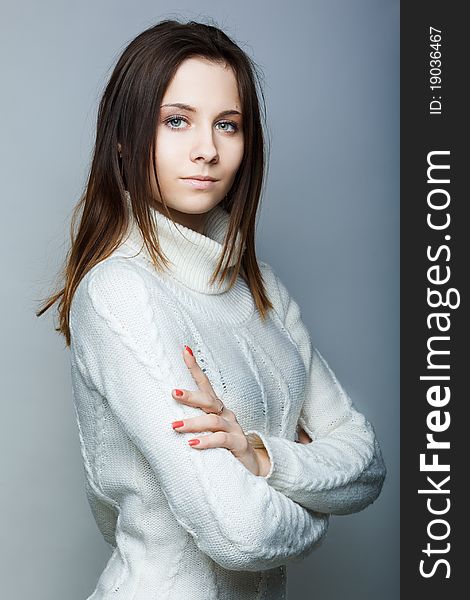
<point>179,392</point>
<point>189,350</point>
<point>177,424</point>
<point>193,442</point>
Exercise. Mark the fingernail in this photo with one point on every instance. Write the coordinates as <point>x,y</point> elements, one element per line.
<point>176,424</point>
<point>189,350</point>
<point>193,442</point>
<point>179,392</point>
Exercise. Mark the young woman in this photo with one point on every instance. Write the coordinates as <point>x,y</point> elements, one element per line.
<point>192,369</point>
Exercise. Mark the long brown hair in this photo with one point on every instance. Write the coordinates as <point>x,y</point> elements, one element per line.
<point>128,114</point>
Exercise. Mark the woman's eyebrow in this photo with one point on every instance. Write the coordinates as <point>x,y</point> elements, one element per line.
<point>183,106</point>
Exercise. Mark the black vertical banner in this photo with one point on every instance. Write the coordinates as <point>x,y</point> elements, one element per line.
<point>435,359</point>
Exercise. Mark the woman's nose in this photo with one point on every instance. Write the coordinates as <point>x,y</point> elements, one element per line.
<point>204,145</point>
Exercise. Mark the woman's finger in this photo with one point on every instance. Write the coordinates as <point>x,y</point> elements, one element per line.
<point>304,438</point>
<point>198,374</point>
<point>196,398</point>
<point>209,422</point>
<point>220,439</point>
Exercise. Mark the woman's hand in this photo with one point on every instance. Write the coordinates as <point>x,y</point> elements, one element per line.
<point>304,438</point>
<point>227,431</point>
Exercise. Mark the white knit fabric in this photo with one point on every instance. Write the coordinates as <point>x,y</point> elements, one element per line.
<point>188,523</point>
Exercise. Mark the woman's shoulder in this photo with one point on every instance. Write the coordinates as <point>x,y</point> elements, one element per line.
<point>116,281</point>
<point>116,297</point>
<point>269,274</point>
<point>275,288</point>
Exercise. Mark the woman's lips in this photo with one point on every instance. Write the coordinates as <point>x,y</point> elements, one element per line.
<point>200,184</point>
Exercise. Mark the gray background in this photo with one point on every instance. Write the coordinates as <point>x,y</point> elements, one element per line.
<point>329,226</point>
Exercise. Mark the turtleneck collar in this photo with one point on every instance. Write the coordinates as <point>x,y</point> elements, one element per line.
<point>193,256</point>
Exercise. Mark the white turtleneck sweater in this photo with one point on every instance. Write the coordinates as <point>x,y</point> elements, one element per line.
<point>188,523</point>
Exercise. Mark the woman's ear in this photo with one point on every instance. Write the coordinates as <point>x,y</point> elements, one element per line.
<point>119,149</point>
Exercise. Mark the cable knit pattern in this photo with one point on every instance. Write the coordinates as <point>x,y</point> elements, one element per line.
<point>195,523</point>
<point>342,470</point>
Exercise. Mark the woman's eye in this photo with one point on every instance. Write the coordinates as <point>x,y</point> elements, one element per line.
<point>230,124</point>
<point>172,119</point>
<point>226,124</point>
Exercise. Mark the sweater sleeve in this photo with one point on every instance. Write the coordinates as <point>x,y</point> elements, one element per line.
<point>341,470</point>
<point>235,517</point>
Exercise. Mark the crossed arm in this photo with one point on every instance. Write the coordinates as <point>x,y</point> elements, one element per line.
<point>337,468</point>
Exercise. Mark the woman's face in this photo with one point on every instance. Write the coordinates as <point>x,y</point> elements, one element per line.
<point>203,138</point>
